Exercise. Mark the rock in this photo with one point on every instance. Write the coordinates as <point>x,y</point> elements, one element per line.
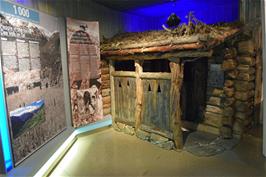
<point>216,101</point>
<point>229,101</point>
<point>228,83</point>
<point>115,127</point>
<point>246,60</point>
<point>246,76</point>
<point>226,132</point>
<point>246,69</point>
<point>157,139</point>
<point>248,121</point>
<point>228,112</point>
<point>215,92</point>
<point>232,74</point>
<point>230,53</point>
<point>129,130</point>
<point>227,121</point>
<point>120,125</point>
<point>246,47</point>
<point>214,109</point>
<point>244,96</point>
<point>244,85</point>
<point>229,92</point>
<point>213,119</point>
<point>243,115</point>
<point>143,135</point>
<point>243,106</point>
<point>229,64</point>
<point>167,145</point>
<point>238,127</point>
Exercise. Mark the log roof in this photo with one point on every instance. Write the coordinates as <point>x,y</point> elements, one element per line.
<point>168,41</point>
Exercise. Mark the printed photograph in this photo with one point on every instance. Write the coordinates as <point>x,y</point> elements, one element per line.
<point>84,71</point>
<point>32,69</point>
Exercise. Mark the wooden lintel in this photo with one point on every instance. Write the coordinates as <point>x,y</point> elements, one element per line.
<point>162,76</point>
<point>159,56</point>
<point>123,74</point>
<point>166,48</point>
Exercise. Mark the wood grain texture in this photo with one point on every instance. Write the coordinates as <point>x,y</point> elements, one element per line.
<point>156,100</point>
<point>177,70</point>
<point>139,95</point>
<point>124,98</point>
<point>159,55</point>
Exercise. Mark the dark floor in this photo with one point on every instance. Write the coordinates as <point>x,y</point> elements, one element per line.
<point>110,153</point>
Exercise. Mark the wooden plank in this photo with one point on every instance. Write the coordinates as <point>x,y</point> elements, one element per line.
<point>123,74</point>
<point>139,95</point>
<point>125,94</point>
<point>165,48</point>
<point>159,56</point>
<point>164,76</point>
<point>156,102</point>
<point>177,71</point>
<point>105,70</point>
<point>105,106</point>
<point>258,90</point>
<point>107,100</point>
<point>106,111</point>
<point>106,92</point>
<point>105,77</point>
<point>112,86</point>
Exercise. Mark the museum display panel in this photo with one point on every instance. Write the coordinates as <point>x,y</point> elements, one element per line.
<point>84,71</point>
<point>33,81</point>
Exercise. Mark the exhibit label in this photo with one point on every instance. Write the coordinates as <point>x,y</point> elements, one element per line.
<point>19,11</point>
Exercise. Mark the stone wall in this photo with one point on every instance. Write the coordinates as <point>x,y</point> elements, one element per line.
<point>234,106</point>
<point>239,88</point>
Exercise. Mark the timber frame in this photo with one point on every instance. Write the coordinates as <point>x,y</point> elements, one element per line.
<point>149,104</point>
<point>176,79</point>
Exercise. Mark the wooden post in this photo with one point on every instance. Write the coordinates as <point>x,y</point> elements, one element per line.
<point>139,93</point>
<point>175,100</point>
<point>112,69</point>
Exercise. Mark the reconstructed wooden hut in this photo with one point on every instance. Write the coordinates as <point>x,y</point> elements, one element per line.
<point>162,81</point>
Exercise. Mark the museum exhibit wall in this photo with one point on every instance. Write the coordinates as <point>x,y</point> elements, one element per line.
<point>110,23</point>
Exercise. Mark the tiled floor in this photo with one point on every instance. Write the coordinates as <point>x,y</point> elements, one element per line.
<point>110,153</point>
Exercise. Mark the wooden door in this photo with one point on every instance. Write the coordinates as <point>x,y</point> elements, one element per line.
<point>125,100</point>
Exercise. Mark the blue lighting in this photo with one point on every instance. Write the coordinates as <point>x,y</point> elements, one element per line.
<point>4,133</point>
<point>208,11</point>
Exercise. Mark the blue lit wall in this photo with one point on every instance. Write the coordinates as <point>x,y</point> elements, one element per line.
<point>208,11</point>
<point>4,133</point>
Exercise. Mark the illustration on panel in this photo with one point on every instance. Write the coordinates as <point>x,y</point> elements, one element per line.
<point>31,64</point>
<point>84,71</point>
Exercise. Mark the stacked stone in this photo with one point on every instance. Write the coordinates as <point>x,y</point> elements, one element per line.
<point>106,91</point>
<point>214,109</point>
<point>231,72</point>
<point>244,86</point>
